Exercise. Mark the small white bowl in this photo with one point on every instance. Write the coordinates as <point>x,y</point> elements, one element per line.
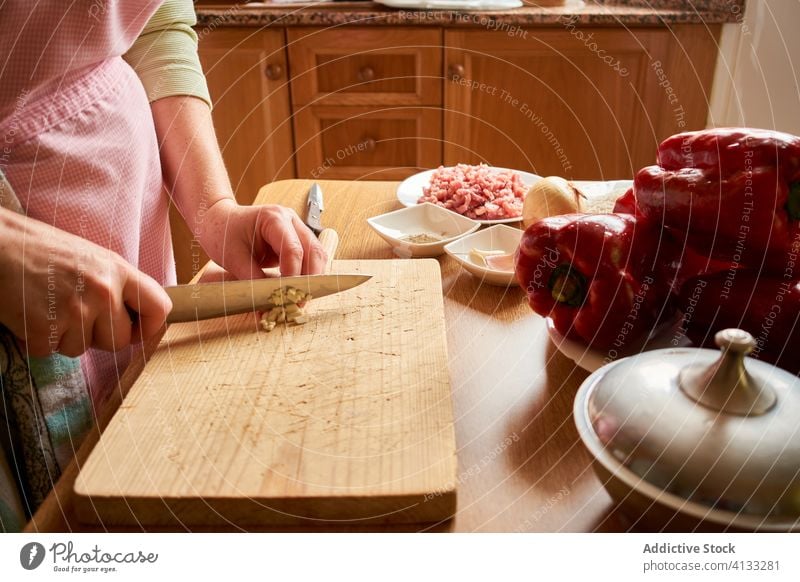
<point>496,238</point>
<point>395,228</point>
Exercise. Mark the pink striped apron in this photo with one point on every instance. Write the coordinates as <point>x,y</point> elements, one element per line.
<point>80,148</point>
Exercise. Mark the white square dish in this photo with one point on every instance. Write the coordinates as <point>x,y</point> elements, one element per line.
<point>500,242</point>
<point>406,229</point>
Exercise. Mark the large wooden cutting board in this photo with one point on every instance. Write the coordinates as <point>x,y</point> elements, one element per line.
<point>344,419</point>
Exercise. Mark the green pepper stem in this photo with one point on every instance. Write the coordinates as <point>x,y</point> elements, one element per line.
<point>567,285</point>
<point>793,203</point>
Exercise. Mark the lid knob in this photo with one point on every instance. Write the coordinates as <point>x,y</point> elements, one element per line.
<point>726,384</point>
<point>736,340</point>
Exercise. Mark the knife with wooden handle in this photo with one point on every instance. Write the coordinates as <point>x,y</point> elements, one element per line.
<point>209,300</point>
<point>314,208</point>
<point>329,239</point>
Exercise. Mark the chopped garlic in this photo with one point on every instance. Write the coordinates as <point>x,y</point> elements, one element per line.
<point>288,308</point>
<point>478,256</point>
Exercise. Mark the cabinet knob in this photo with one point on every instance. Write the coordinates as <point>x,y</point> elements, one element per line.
<point>369,143</point>
<point>366,74</point>
<point>455,72</point>
<point>273,72</point>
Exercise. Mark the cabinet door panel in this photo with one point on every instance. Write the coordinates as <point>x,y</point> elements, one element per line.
<point>361,66</point>
<point>588,104</point>
<point>246,74</point>
<point>366,142</point>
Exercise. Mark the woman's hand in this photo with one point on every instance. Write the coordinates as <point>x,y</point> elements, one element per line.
<point>245,239</point>
<point>64,294</point>
<point>242,239</point>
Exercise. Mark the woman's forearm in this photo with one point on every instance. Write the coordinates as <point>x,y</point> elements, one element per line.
<point>243,239</point>
<point>190,157</point>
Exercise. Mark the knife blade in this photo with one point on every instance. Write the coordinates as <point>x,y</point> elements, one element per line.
<point>314,208</point>
<point>209,300</point>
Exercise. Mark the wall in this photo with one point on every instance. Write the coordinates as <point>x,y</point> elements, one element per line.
<point>756,83</point>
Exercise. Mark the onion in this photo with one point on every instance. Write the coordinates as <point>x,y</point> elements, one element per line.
<point>550,196</point>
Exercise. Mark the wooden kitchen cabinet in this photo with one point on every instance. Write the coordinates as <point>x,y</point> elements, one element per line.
<point>367,101</point>
<point>246,70</point>
<point>367,143</point>
<point>589,103</point>
<point>384,102</point>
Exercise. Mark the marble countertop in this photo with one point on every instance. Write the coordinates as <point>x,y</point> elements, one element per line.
<point>607,13</point>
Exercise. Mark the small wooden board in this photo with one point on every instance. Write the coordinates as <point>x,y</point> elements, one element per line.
<point>345,419</point>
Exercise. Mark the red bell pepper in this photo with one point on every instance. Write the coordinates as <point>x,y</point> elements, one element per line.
<point>680,264</point>
<point>729,150</point>
<point>767,307</point>
<point>626,204</point>
<point>595,275</point>
<point>731,194</point>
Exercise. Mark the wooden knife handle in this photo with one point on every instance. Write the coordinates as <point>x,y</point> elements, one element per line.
<point>329,239</point>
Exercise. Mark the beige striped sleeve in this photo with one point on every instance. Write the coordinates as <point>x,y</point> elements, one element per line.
<point>165,54</point>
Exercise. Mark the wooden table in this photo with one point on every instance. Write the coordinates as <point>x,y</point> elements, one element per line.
<point>521,464</point>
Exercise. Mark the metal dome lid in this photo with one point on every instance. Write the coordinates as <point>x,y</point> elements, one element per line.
<point>719,431</point>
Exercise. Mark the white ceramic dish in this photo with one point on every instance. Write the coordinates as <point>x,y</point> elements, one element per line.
<point>666,335</point>
<point>409,191</point>
<point>601,189</point>
<point>464,5</point>
<point>394,227</point>
<point>496,238</point>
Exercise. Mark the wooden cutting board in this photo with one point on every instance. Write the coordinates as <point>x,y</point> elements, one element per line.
<point>344,419</point>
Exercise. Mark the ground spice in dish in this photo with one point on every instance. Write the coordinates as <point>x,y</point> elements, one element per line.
<point>422,238</point>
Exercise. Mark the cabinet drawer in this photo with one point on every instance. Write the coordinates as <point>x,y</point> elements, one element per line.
<point>361,66</point>
<point>363,143</point>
